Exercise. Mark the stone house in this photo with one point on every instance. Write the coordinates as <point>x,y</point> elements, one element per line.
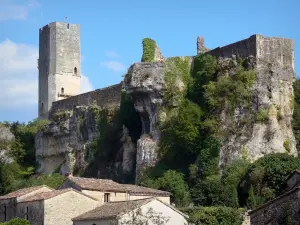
<point>56,207</point>
<point>9,202</point>
<point>284,207</point>
<point>110,191</point>
<point>151,210</point>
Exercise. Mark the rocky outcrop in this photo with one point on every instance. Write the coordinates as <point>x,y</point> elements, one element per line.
<point>66,145</point>
<point>273,61</point>
<point>146,87</point>
<point>6,139</point>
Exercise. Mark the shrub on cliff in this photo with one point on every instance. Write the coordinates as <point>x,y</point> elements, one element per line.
<point>149,46</point>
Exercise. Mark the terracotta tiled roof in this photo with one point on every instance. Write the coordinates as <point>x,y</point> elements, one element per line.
<point>96,184</point>
<point>22,192</point>
<point>112,209</point>
<point>109,185</point>
<point>139,190</point>
<point>51,194</point>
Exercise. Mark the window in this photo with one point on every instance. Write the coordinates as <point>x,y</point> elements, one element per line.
<point>26,214</point>
<point>106,197</point>
<point>62,90</point>
<point>68,26</point>
<point>75,70</point>
<point>5,213</point>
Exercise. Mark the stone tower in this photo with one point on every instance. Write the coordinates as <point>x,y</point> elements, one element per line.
<point>58,63</point>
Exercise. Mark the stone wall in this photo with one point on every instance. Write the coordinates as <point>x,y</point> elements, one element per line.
<point>276,211</point>
<point>61,209</point>
<point>105,97</point>
<point>59,64</point>
<point>34,210</point>
<point>273,61</point>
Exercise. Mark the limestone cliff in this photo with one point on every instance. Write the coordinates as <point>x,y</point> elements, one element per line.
<point>272,59</point>
<point>6,139</point>
<point>70,144</point>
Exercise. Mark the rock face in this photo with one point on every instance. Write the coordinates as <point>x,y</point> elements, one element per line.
<point>64,145</point>
<point>6,138</point>
<point>146,87</point>
<point>273,61</point>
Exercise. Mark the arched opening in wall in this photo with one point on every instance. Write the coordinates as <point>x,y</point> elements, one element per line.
<point>75,70</point>
<point>68,26</point>
<point>62,90</point>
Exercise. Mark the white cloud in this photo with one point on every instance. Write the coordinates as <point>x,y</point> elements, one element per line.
<point>115,66</point>
<point>13,11</point>
<point>18,74</point>
<point>85,85</point>
<point>112,54</point>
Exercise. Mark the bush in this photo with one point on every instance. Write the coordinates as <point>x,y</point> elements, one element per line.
<point>267,177</point>
<point>214,215</point>
<point>16,221</point>
<point>149,46</point>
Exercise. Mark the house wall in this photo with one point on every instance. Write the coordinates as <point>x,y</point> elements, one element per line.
<point>114,196</point>
<point>62,208</point>
<point>166,212</point>
<point>96,222</point>
<point>277,211</point>
<point>293,181</point>
<point>11,207</point>
<point>35,211</point>
<point>135,197</point>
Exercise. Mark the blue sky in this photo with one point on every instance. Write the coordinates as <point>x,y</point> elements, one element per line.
<point>112,31</point>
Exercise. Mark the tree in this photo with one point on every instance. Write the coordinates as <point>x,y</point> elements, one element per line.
<point>138,217</point>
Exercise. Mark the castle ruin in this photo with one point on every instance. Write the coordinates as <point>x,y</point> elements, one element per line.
<point>59,88</point>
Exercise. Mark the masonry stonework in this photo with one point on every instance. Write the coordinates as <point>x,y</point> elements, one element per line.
<point>59,64</point>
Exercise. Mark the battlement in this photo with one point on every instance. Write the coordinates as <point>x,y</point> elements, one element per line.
<point>104,97</point>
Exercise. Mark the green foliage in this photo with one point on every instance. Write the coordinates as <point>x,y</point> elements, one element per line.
<point>287,145</point>
<point>214,215</point>
<point>173,182</point>
<point>149,46</point>
<point>54,181</point>
<point>204,71</point>
<point>180,133</point>
<point>296,113</point>
<point>25,134</point>
<point>16,221</point>
<point>233,89</point>
<point>177,69</point>
<point>262,116</point>
<point>129,117</point>
<point>17,151</point>
<point>267,176</point>
<point>9,173</point>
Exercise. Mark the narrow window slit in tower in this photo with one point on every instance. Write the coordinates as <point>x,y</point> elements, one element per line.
<point>68,26</point>
<point>75,70</point>
<point>62,90</point>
